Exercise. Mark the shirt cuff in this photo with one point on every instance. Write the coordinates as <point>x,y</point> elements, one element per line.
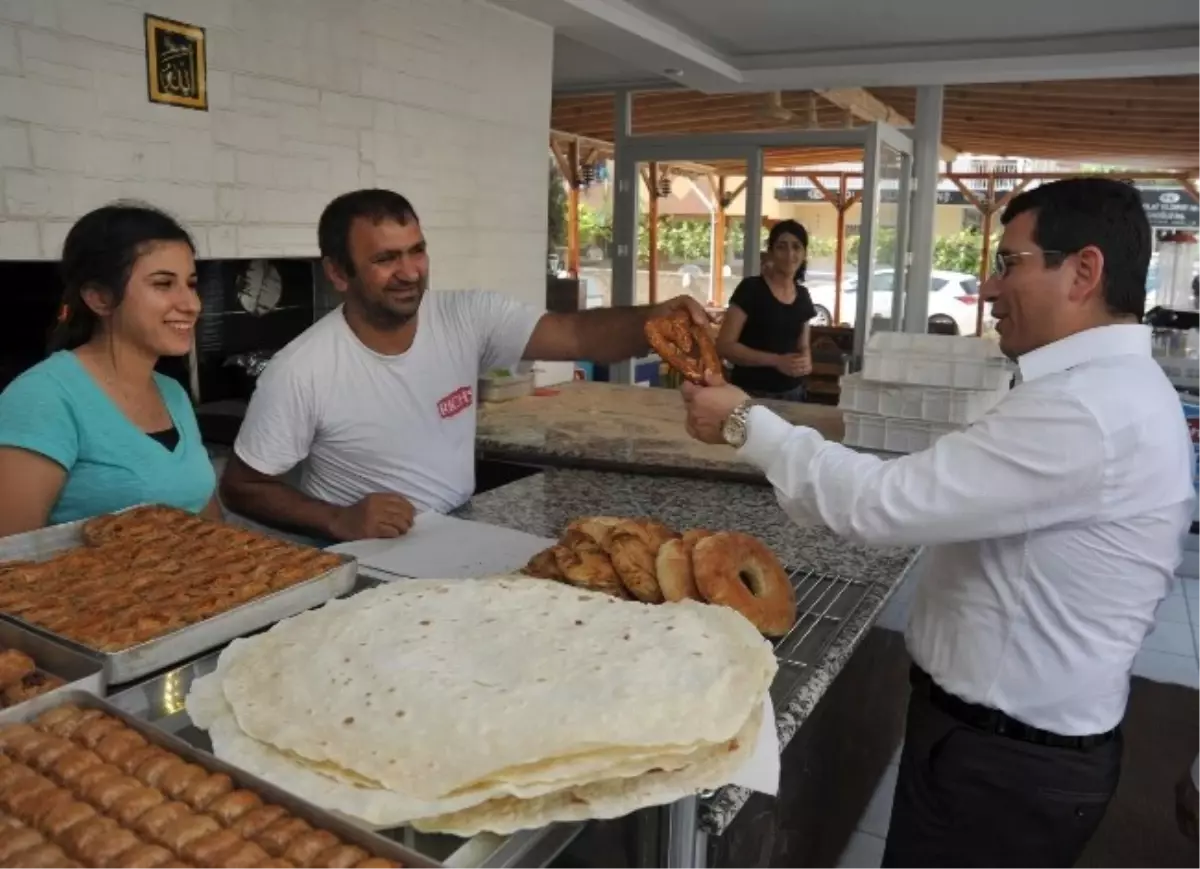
<point>766,434</point>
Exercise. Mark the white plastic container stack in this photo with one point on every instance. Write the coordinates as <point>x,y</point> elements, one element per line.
<point>935,360</point>
<point>915,388</point>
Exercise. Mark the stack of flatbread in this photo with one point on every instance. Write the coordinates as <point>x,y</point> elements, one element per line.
<point>466,706</point>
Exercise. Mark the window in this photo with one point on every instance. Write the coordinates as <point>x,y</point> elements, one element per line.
<point>937,284</point>
<point>971,285</point>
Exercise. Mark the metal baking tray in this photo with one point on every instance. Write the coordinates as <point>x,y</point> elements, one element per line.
<point>160,703</point>
<point>169,649</point>
<point>352,833</point>
<point>81,672</point>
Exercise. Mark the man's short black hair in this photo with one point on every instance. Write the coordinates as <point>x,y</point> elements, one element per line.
<point>375,204</point>
<point>1098,212</point>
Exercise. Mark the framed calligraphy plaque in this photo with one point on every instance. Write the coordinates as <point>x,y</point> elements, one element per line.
<point>176,65</point>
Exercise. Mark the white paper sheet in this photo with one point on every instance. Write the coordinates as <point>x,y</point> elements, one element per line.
<point>761,771</point>
<point>447,548</point>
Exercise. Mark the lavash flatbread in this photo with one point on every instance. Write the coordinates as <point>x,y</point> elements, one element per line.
<point>515,683</point>
<point>367,802</point>
<point>602,799</point>
<point>383,809</point>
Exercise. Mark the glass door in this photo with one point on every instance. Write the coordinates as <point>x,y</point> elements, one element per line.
<point>887,165</point>
<point>883,249</point>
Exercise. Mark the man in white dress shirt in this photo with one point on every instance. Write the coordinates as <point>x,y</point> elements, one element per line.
<point>1054,526</point>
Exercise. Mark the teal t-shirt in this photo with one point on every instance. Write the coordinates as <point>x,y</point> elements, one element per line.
<point>56,409</point>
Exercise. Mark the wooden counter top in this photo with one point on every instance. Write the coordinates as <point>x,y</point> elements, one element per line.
<point>633,428</point>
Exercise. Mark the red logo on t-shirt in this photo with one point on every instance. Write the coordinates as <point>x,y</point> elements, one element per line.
<point>456,402</point>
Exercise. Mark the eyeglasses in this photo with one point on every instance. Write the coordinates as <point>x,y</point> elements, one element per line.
<point>1004,261</point>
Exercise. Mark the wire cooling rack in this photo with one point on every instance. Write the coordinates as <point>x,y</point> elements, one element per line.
<point>825,605</point>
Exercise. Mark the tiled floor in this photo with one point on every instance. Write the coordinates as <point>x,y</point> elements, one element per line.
<point>1168,655</point>
<point>865,848</point>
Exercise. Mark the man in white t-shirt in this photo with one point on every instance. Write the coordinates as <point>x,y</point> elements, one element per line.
<point>376,402</point>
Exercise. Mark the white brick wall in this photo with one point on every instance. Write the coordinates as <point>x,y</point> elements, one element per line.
<point>446,101</point>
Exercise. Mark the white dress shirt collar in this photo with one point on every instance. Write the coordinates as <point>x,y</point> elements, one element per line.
<point>1123,339</point>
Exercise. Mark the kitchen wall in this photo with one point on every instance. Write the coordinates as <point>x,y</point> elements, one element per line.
<point>446,101</point>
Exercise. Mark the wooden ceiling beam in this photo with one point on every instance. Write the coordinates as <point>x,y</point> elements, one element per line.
<point>1092,120</point>
<point>1086,153</point>
<point>903,99</point>
<point>1067,133</point>
<point>1090,89</point>
<point>862,104</point>
<point>1153,119</point>
<point>973,130</point>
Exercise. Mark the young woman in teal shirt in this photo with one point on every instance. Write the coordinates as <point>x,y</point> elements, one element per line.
<point>93,428</point>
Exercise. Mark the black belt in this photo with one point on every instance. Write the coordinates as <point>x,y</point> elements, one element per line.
<point>994,721</point>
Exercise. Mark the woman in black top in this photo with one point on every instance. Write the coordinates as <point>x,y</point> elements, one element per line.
<point>765,331</point>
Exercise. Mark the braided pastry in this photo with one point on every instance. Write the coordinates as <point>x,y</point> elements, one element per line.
<point>686,346</point>
<point>583,563</point>
<point>633,545</point>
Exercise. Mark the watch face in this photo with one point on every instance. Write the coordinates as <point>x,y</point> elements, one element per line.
<point>734,431</point>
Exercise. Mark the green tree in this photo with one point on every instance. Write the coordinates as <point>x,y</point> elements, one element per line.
<point>820,246</point>
<point>688,240</point>
<point>885,247</point>
<point>961,252</point>
<point>557,212</point>
<point>679,241</point>
<point>595,227</point>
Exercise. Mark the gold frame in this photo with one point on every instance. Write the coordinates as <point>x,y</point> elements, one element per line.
<point>196,35</point>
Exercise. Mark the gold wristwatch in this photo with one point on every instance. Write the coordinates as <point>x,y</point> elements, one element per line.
<point>736,426</point>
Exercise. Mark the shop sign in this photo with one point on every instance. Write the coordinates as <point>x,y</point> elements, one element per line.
<point>1170,207</point>
<point>886,195</point>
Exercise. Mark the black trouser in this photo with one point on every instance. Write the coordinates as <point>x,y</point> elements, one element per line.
<point>970,796</point>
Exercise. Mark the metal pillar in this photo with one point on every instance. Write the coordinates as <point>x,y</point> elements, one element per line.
<point>928,128</point>
<point>625,206</point>
<point>867,227</point>
<point>902,280</point>
<point>752,228</point>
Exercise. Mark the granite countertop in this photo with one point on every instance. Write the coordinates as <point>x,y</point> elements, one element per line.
<point>542,504</point>
<point>615,427</point>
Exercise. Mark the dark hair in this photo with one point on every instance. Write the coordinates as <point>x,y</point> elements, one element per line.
<point>375,204</point>
<point>99,254</point>
<point>1098,212</point>
<point>791,227</point>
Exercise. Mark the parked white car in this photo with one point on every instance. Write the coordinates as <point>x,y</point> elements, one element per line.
<point>953,299</point>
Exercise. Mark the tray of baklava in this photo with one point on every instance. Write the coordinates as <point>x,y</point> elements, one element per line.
<point>34,670</point>
<point>152,586</point>
<point>84,784</point>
